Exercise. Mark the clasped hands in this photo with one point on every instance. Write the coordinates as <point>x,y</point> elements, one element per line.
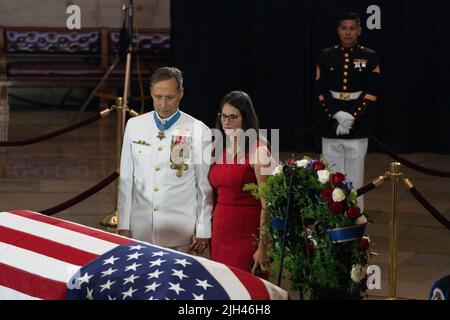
<point>198,245</point>
<point>345,122</point>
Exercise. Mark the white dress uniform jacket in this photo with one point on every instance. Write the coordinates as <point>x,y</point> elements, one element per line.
<point>153,202</point>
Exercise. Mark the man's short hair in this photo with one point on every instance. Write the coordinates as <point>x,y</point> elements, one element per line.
<point>350,16</point>
<point>166,73</point>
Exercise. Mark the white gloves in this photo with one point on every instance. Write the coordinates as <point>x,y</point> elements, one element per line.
<point>345,121</point>
<point>342,130</point>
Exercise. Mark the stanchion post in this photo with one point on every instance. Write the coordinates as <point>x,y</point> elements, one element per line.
<point>122,105</point>
<point>110,220</point>
<point>395,174</point>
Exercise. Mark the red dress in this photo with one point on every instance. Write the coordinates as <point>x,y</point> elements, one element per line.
<point>236,218</point>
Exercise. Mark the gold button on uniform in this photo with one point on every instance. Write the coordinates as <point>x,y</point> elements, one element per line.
<point>157,168</point>
<point>344,88</point>
<point>160,148</point>
<point>345,80</point>
<point>156,189</point>
<point>155,209</point>
<point>346,55</point>
<point>345,73</point>
<point>347,60</point>
<point>346,66</point>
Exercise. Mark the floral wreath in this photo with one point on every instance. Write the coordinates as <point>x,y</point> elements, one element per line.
<point>326,251</point>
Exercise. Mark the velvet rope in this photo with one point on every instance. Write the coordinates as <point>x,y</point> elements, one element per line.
<point>50,134</point>
<point>363,190</point>
<point>432,210</point>
<point>303,133</point>
<point>407,163</point>
<point>86,194</point>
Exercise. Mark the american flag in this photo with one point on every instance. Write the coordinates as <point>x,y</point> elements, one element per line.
<point>48,258</point>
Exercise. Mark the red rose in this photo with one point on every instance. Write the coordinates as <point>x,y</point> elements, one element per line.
<point>327,195</point>
<point>290,161</point>
<point>337,207</point>
<point>337,179</point>
<point>353,213</point>
<point>364,244</point>
<point>318,165</point>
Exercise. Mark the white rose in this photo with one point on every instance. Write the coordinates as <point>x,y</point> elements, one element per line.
<point>361,220</point>
<point>358,273</point>
<point>302,163</point>
<point>324,176</point>
<point>278,170</point>
<point>338,195</point>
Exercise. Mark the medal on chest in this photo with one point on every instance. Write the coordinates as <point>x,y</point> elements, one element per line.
<point>360,64</point>
<point>165,125</point>
<point>180,151</point>
<point>161,135</point>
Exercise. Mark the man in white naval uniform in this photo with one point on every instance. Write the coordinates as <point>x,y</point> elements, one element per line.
<point>164,194</point>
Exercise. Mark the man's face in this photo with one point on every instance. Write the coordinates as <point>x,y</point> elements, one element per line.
<point>348,31</point>
<point>166,97</point>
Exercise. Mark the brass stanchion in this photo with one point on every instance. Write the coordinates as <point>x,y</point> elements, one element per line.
<point>395,174</point>
<point>121,104</point>
<point>110,220</point>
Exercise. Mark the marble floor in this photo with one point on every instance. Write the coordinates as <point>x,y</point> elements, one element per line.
<point>40,176</point>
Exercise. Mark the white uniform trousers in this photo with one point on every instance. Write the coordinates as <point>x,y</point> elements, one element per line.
<point>347,156</point>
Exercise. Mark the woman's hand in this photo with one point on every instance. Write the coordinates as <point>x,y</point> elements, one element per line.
<point>199,245</point>
<point>261,259</point>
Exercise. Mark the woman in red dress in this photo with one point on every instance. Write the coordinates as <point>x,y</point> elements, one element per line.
<point>236,239</point>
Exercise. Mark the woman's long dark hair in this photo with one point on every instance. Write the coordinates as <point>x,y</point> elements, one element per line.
<point>241,101</point>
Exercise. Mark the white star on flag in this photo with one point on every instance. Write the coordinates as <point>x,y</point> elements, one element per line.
<point>152,287</point>
<point>204,284</point>
<point>155,274</point>
<point>108,272</point>
<point>158,254</point>
<point>84,278</point>
<point>183,262</point>
<point>156,263</point>
<point>107,285</point>
<point>175,287</point>
<point>132,267</point>
<point>89,294</point>
<point>129,293</point>
<point>130,279</point>
<point>138,247</point>
<point>109,298</point>
<point>110,260</point>
<point>179,274</point>
<point>134,255</point>
<point>196,297</point>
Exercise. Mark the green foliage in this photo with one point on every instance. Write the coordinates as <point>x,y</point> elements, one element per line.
<point>316,267</point>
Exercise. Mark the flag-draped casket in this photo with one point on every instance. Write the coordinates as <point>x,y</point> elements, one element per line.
<point>48,258</point>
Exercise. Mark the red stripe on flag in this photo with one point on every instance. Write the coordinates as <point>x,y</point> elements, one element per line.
<point>31,284</point>
<point>45,247</point>
<point>253,284</point>
<point>74,227</point>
